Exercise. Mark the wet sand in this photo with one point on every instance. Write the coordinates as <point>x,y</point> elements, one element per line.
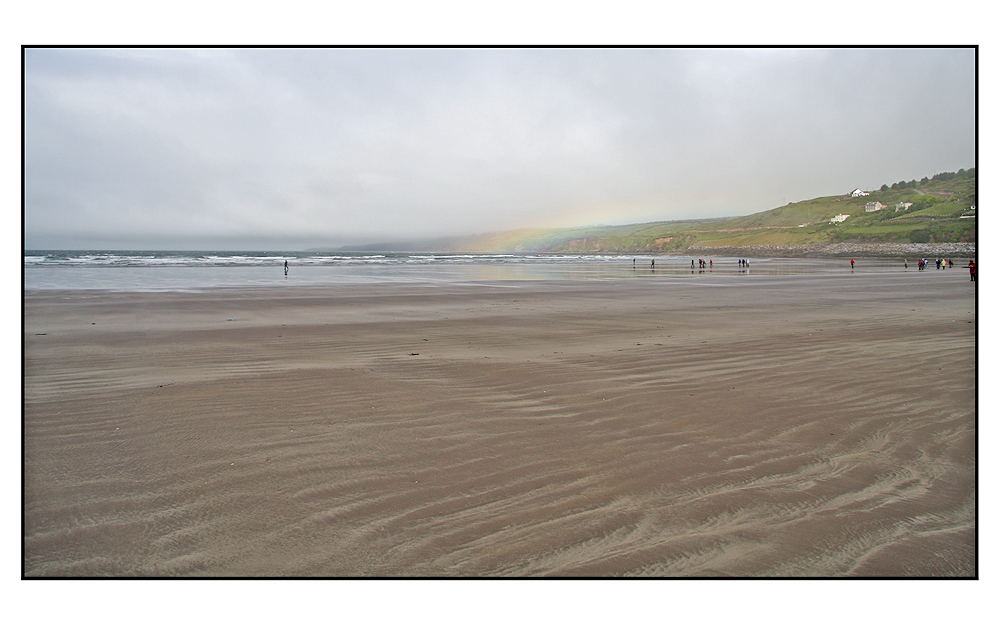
<point>738,426</point>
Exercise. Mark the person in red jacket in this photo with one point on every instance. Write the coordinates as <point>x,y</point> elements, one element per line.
<point>972,270</point>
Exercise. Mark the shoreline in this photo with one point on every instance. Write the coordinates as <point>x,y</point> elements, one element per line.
<point>447,271</point>
<point>806,250</point>
<point>841,250</point>
<point>785,426</point>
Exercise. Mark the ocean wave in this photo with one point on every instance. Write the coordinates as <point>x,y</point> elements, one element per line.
<point>63,258</point>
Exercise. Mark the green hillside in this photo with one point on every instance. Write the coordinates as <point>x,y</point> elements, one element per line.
<point>935,216</point>
<point>940,212</point>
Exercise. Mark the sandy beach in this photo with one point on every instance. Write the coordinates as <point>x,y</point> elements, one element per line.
<point>746,426</point>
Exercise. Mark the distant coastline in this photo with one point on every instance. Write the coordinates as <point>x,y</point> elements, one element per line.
<point>839,250</point>
<point>938,213</point>
<point>814,250</point>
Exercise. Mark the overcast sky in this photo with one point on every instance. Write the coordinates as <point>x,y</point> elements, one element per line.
<point>296,148</point>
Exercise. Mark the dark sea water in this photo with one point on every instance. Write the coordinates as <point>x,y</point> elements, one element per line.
<point>195,271</point>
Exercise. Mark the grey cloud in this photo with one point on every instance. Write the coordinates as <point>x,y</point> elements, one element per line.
<point>302,146</point>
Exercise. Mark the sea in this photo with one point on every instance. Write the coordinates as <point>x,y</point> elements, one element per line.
<point>117,270</point>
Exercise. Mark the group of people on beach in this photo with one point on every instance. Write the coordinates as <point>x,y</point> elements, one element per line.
<point>941,263</point>
<point>944,263</point>
<point>702,263</point>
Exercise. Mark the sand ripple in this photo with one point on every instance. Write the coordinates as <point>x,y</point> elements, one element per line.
<point>587,430</point>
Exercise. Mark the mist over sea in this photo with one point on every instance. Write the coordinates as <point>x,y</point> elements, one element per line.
<point>200,270</point>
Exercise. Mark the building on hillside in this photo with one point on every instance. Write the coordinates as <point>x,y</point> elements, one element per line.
<point>871,207</point>
<point>838,219</point>
<point>903,206</point>
<point>857,193</point>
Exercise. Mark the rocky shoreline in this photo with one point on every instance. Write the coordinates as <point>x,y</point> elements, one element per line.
<point>838,250</point>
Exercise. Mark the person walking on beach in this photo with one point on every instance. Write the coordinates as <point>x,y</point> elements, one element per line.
<point>286,268</point>
<point>972,270</point>
<point>852,264</point>
<point>905,266</point>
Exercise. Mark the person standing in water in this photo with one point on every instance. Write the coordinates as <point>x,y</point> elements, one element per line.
<point>852,264</point>
<point>286,268</point>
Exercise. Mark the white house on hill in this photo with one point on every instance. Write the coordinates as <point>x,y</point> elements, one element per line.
<point>857,193</point>
<point>838,219</point>
<point>903,206</point>
<point>871,207</point>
